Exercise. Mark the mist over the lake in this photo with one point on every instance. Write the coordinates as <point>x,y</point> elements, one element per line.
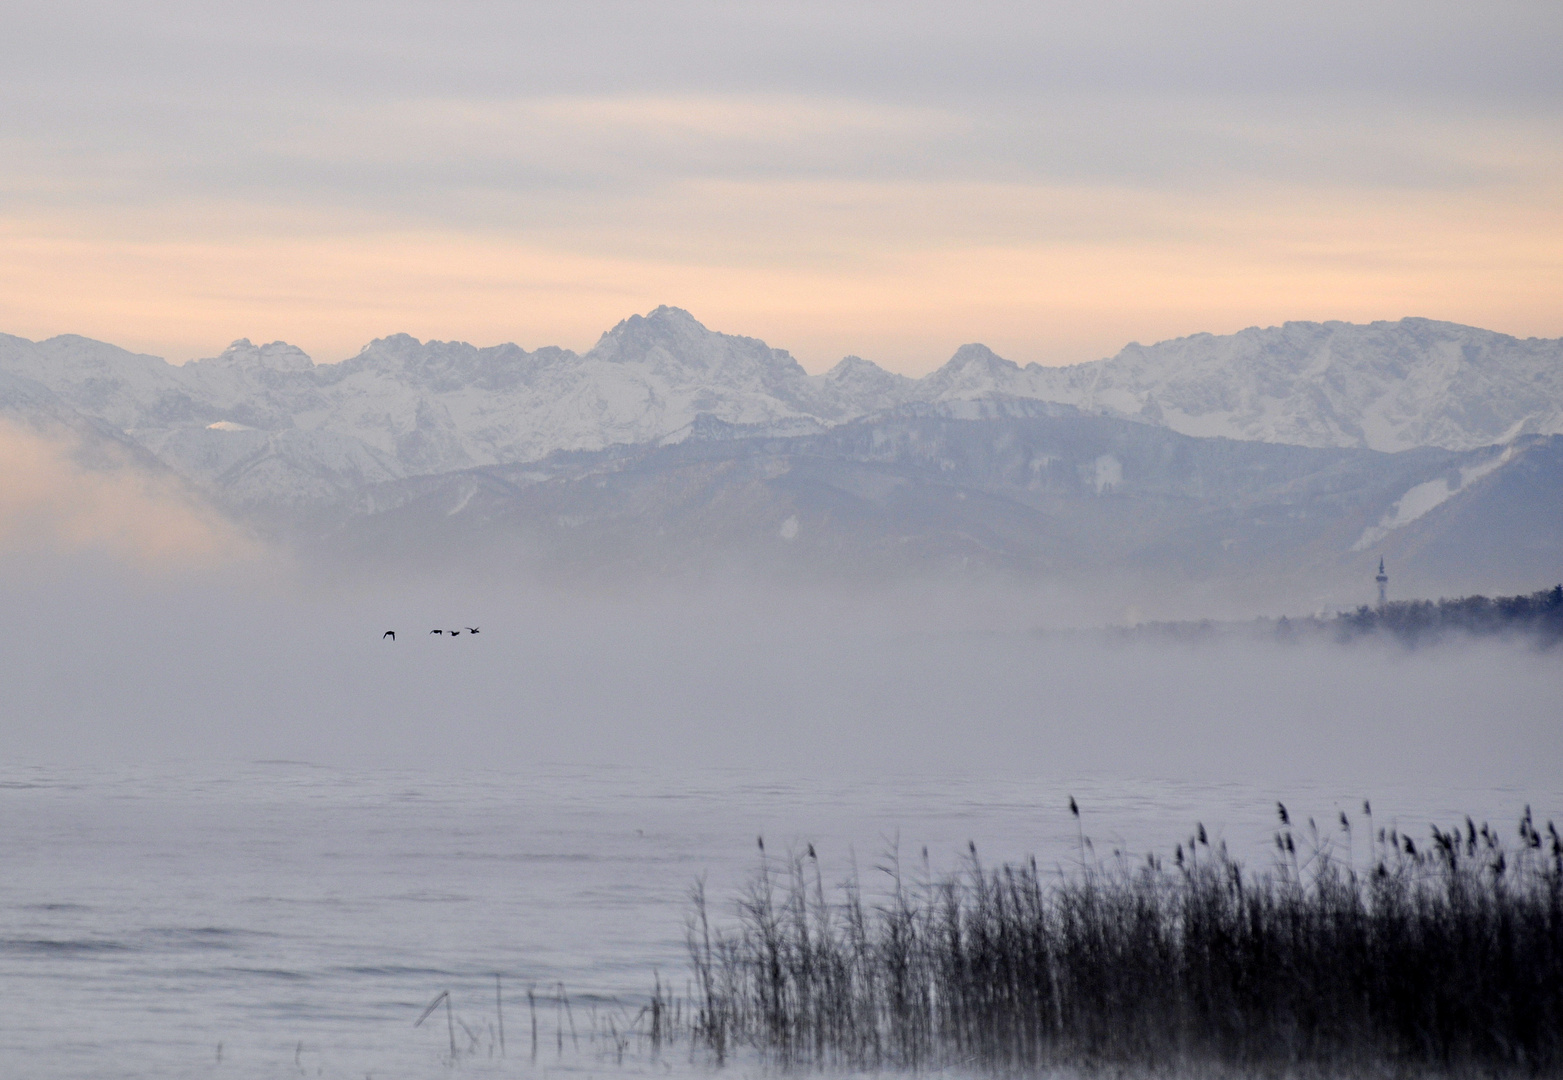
<point>260,660</point>
<point>223,781</point>
<point>150,628</point>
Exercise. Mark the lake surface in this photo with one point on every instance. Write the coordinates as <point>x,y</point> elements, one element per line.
<point>301,917</point>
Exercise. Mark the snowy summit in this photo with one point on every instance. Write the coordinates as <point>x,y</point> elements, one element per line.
<point>264,424</point>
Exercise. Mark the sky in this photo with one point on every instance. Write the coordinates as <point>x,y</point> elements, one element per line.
<point>889,180</point>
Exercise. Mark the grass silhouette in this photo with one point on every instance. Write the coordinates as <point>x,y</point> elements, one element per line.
<point>1438,958</point>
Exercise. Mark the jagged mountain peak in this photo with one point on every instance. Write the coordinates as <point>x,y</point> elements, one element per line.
<point>1382,385</point>
<point>856,370</point>
<point>397,341</point>
<point>405,407</point>
<point>850,365</point>
<point>866,385</point>
<point>668,328</point>
<point>444,366</point>
<point>670,335</point>
<point>977,353</point>
<point>401,348</point>
<point>974,371</point>
<point>273,356</point>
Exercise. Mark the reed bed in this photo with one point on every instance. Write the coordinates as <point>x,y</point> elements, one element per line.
<point>1438,958</point>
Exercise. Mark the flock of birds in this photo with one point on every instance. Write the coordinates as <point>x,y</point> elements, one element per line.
<point>453,633</point>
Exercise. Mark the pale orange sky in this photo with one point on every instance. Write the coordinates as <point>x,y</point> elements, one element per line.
<point>1181,171</point>
<point>1211,268</point>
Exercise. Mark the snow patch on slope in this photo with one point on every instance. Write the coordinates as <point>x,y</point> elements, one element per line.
<point>1427,497</point>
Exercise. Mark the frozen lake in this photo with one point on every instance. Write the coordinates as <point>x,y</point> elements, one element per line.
<point>302,916</point>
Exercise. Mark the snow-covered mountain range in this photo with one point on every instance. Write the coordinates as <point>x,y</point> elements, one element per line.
<point>1027,490</point>
<point>265,426</point>
<point>1385,386</point>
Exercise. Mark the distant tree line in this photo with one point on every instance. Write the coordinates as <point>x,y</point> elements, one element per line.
<point>1415,622</point>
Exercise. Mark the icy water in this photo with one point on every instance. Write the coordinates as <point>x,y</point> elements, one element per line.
<point>280,919</point>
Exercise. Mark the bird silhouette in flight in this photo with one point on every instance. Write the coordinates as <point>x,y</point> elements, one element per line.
<point>388,634</point>
<point>472,629</point>
<point>436,631</point>
<point>454,633</point>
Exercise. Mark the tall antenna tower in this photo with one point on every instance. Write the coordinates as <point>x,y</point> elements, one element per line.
<point>1383,584</point>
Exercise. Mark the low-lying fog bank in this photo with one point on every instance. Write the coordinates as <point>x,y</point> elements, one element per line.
<point>104,665</point>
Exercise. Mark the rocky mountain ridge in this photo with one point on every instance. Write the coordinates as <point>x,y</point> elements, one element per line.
<point>264,426</point>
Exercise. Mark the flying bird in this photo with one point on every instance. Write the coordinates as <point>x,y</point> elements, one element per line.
<point>454,633</point>
<point>472,629</point>
<point>436,631</point>
<point>388,634</point>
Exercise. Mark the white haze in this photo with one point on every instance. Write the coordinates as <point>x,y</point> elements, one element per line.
<point>108,664</point>
<point>144,629</point>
